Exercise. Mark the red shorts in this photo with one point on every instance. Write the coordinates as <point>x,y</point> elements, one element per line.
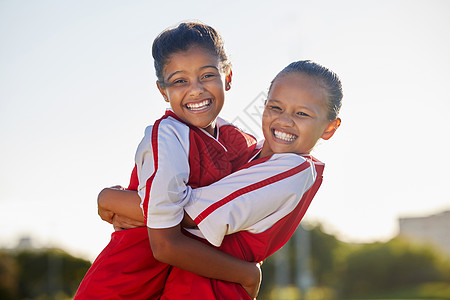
<point>182,284</point>
<point>125,269</point>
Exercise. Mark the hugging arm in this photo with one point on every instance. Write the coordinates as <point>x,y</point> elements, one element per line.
<point>171,246</point>
<point>120,207</point>
<point>213,207</point>
<point>252,199</point>
<point>115,201</point>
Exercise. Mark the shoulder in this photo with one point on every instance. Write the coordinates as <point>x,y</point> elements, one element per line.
<point>296,158</point>
<point>165,129</point>
<point>287,158</point>
<point>166,125</point>
<point>228,129</point>
<point>285,164</point>
<point>295,163</point>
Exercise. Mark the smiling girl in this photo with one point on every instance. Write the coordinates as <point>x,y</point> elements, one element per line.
<point>297,114</point>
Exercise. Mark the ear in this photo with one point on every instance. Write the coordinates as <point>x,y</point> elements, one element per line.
<point>331,129</point>
<point>162,91</point>
<point>228,80</point>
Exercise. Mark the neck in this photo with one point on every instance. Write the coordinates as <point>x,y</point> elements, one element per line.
<point>211,129</point>
<point>265,150</point>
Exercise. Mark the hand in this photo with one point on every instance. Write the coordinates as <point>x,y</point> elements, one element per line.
<point>117,187</point>
<point>252,288</point>
<point>121,223</point>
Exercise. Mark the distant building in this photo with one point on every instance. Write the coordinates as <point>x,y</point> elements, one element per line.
<point>434,229</point>
<point>25,243</point>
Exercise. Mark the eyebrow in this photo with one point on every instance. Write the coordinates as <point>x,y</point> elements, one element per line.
<point>298,106</point>
<point>204,67</point>
<point>274,100</point>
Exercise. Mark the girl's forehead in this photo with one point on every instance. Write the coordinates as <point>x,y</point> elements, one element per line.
<point>299,89</point>
<point>194,54</point>
<point>296,76</point>
<point>296,82</point>
<point>194,51</point>
<point>191,57</point>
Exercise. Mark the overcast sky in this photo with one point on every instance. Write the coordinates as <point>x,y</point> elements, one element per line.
<point>77,89</point>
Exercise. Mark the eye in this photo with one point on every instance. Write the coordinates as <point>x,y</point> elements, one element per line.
<point>274,107</point>
<point>302,114</point>
<point>178,82</point>
<point>208,76</point>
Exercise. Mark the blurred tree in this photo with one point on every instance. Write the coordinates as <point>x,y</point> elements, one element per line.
<point>398,268</point>
<point>382,267</point>
<point>49,272</point>
<point>9,282</point>
<point>325,250</point>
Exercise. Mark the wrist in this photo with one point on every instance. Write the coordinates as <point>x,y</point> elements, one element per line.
<point>252,280</point>
<point>251,276</point>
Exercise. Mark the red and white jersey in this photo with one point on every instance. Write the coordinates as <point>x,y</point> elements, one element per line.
<point>251,214</point>
<point>255,197</point>
<point>173,158</point>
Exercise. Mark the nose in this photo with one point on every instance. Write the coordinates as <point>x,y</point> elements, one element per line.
<point>196,88</point>
<point>285,119</point>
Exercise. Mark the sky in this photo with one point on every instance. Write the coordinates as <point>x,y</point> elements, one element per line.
<point>77,89</point>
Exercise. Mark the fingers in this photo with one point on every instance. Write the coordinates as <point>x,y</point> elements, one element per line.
<point>117,187</point>
<point>116,228</point>
<point>126,223</point>
<point>130,222</point>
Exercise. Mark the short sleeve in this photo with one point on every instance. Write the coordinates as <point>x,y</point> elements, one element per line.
<point>253,198</point>
<point>163,172</point>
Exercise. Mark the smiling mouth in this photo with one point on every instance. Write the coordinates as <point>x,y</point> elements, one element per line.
<point>284,136</point>
<point>198,106</point>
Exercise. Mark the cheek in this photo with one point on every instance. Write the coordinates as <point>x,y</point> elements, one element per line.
<point>172,93</point>
<point>265,120</point>
<point>217,84</point>
<point>268,115</point>
<point>216,90</point>
<point>315,134</point>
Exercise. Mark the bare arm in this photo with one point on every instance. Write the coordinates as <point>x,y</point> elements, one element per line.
<point>114,201</point>
<point>171,246</point>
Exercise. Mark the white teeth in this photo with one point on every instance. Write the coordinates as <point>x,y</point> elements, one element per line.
<point>284,136</point>
<point>199,105</point>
